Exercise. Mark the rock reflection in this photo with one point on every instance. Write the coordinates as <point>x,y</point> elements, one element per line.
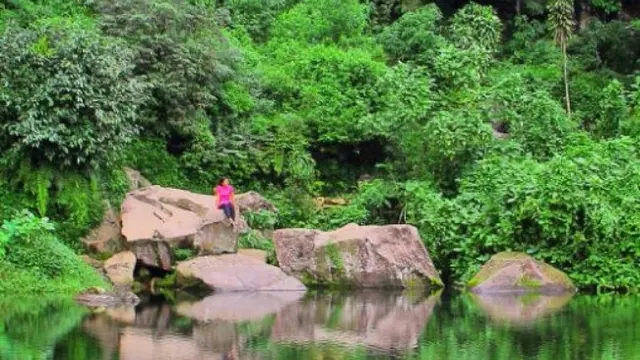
<point>519,309</point>
<point>223,326</point>
<point>375,320</point>
<point>238,306</point>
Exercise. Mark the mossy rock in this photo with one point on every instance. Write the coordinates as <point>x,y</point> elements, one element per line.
<point>519,273</point>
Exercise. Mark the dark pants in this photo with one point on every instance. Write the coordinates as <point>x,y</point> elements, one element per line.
<point>229,211</point>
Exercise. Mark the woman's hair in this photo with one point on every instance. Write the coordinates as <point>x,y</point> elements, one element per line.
<point>222,179</point>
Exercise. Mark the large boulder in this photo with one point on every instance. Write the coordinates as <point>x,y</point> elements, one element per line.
<point>235,272</point>
<point>391,256</point>
<point>253,202</point>
<point>157,219</point>
<point>513,272</point>
<point>119,269</point>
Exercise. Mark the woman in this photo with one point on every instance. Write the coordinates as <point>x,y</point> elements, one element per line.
<point>225,199</point>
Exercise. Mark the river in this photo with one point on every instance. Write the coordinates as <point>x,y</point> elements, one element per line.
<point>360,325</point>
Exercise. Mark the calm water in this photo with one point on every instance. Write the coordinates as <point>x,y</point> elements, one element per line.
<point>370,325</point>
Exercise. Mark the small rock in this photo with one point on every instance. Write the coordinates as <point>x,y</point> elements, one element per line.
<point>106,237</point>
<point>119,269</point>
<point>100,298</point>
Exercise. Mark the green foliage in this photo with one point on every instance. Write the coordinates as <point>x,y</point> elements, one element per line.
<point>572,212</point>
<point>613,110</point>
<point>448,143</point>
<point>476,26</point>
<point>415,36</point>
<point>34,261</point>
<point>318,21</point>
<point>179,52</point>
<point>256,16</point>
<point>428,114</point>
<point>68,97</point>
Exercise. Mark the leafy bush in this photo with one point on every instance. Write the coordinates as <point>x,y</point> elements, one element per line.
<point>34,261</point>
<point>319,21</point>
<point>68,97</point>
<point>476,26</point>
<point>574,211</point>
<point>415,36</point>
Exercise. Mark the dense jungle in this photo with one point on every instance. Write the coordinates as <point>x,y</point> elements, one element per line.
<point>490,126</point>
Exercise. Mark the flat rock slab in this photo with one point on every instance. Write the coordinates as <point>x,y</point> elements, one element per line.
<point>238,306</point>
<point>233,272</point>
<point>513,272</point>
<point>254,253</point>
<point>391,256</point>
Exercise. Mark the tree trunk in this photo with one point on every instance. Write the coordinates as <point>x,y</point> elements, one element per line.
<point>566,75</point>
<point>518,6</point>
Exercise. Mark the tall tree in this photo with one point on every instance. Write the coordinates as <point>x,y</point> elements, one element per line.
<point>561,20</point>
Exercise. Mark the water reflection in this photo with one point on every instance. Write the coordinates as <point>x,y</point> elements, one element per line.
<point>356,326</point>
<point>238,306</point>
<point>223,325</point>
<point>373,319</point>
<point>519,309</point>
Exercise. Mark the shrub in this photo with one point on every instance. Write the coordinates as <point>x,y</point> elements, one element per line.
<point>415,36</point>
<point>33,260</point>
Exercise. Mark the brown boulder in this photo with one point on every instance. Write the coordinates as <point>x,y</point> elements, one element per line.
<point>391,256</point>
<point>512,272</point>
<point>234,272</point>
<point>156,219</point>
<point>136,180</point>
<point>119,269</point>
<point>253,202</point>
<point>106,237</point>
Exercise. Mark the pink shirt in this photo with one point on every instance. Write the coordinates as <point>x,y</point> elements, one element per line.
<point>224,193</point>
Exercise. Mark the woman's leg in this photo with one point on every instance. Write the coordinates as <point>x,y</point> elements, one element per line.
<point>232,212</point>
<point>227,209</point>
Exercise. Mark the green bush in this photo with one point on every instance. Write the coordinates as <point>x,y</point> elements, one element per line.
<point>415,37</point>
<point>33,260</point>
<point>574,211</point>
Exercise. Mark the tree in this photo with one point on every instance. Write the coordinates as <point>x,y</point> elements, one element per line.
<point>561,20</point>
<point>68,97</point>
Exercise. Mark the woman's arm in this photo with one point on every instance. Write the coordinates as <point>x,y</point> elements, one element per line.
<point>215,193</point>
<point>233,197</point>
